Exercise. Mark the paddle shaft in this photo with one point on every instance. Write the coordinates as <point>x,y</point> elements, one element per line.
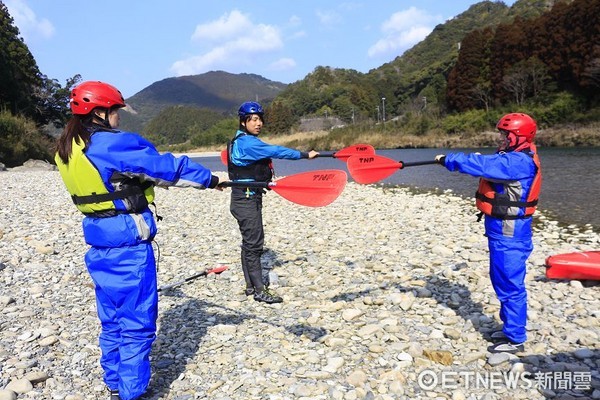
<point>253,185</point>
<point>327,154</point>
<point>417,163</point>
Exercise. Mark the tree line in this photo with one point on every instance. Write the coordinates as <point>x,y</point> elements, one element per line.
<point>530,60</point>
<point>29,100</point>
<point>520,63</point>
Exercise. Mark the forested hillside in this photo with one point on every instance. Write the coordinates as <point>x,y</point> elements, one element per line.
<point>538,57</point>
<point>530,59</point>
<point>420,77</point>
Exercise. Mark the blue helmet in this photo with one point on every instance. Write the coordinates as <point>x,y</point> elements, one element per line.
<point>249,108</point>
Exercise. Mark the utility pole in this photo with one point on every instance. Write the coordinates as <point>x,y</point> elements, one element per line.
<point>383,108</point>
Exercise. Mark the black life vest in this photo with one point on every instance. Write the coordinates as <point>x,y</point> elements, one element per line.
<point>259,171</point>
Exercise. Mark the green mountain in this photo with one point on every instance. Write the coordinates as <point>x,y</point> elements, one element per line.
<point>218,91</point>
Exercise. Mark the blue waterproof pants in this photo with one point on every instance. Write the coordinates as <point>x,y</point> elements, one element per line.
<point>127,302</point>
<point>507,272</point>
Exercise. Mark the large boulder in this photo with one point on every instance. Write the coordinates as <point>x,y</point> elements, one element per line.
<point>35,165</point>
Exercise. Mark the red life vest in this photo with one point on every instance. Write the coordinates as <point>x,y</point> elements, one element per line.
<point>495,204</point>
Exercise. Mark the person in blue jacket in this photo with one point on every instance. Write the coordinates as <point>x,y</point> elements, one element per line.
<point>250,159</point>
<point>510,182</point>
<point>110,175</point>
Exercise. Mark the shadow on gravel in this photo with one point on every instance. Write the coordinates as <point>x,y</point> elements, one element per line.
<point>181,333</point>
<point>458,298</point>
<point>448,294</point>
<point>564,375</point>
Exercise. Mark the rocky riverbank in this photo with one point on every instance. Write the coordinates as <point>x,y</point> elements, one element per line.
<point>386,294</point>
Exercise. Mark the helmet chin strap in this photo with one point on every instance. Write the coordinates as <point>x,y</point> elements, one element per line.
<point>104,120</point>
<point>516,144</point>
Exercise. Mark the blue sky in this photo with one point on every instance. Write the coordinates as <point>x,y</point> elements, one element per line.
<point>132,44</point>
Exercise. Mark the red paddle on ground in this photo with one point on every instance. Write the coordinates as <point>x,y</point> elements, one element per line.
<point>343,154</point>
<point>312,189</point>
<point>374,168</point>
<point>216,270</point>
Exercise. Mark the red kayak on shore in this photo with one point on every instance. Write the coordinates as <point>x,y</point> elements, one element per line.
<point>577,266</point>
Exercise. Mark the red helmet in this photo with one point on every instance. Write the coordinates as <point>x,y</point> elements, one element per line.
<point>91,94</point>
<point>518,124</point>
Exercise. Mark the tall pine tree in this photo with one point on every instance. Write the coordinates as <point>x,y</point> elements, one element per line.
<point>19,73</point>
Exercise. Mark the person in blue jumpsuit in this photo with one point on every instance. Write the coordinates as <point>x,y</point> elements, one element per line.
<point>250,159</point>
<point>510,182</point>
<point>110,175</point>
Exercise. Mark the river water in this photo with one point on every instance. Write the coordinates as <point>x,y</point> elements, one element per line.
<point>570,188</point>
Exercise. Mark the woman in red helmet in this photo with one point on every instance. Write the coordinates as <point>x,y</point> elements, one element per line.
<point>508,192</point>
<point>110,175</point>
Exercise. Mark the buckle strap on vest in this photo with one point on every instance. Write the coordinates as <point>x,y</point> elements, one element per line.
<point>100,198</point>
<point>127,191</point>
<point>505,202</point>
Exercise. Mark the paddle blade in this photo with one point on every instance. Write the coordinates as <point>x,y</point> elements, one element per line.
<point>313,188</point>
<point>224,157</point>
<point>354,150</point>
<point>371,168</point>
<point>217,270</point>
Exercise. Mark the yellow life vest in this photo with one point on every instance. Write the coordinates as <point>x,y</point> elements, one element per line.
<point>89,192</point>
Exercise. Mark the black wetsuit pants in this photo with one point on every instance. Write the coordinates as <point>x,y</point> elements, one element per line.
<point>247,210</point>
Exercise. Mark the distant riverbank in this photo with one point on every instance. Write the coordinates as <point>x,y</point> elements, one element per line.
<point>563,136</point>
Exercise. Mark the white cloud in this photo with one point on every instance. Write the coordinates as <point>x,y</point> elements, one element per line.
<point>228,26</point>
<point>236,41</point>
<point>283,64</point>
<point>30,26</point>
<point>328,18</point>
<point>295,21</point>
<point>298,35</point>
<point>403,30</point>
<point>351,6</point>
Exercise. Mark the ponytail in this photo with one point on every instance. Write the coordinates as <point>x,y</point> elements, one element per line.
<point>75,130</point>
